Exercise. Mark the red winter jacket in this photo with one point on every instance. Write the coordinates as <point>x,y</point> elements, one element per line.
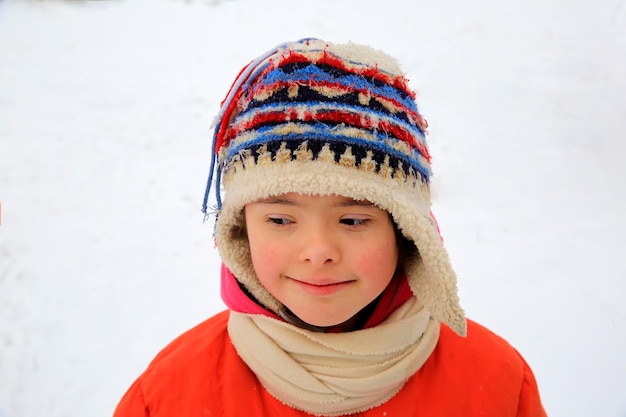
<point>200,375</point>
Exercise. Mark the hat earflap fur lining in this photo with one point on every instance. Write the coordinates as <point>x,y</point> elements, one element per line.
<point>428,269</point>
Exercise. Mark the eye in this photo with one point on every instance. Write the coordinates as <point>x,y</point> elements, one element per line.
<point>354,221</point>
<point>279,221</point>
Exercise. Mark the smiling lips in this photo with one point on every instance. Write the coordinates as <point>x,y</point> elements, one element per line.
<point>321,289</point>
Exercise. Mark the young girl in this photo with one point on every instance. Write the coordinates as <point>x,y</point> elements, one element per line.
<point>342,300</point>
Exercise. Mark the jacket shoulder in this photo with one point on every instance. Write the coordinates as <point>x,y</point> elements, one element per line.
<point>185,376</point>
<point>198,340</point>
<point>481,342</point>
<point>483,372</point>
<point>482,356</point>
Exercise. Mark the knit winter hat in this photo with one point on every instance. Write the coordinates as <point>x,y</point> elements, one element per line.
<point>314,117</point>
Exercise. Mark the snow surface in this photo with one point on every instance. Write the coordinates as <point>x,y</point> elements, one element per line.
<point>105,110</point>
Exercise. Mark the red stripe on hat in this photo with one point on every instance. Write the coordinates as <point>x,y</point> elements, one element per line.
<point>335,116</point>
<point>334,61</point>
<point>269,88</point>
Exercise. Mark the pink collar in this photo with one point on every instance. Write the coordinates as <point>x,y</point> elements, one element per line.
<point>236,299</point>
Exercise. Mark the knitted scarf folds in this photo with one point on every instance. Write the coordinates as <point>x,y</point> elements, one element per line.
<point>333,374</point>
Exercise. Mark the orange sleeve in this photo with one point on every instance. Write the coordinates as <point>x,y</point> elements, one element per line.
<point>529,399</point>
<point>132,403</point>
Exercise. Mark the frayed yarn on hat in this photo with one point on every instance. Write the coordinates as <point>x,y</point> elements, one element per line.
<point>318,118</point>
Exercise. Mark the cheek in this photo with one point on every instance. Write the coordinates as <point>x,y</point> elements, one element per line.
<point>264,257</point>
<point>378,263</point>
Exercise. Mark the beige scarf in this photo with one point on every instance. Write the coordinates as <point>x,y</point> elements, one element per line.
<point>335,373</point>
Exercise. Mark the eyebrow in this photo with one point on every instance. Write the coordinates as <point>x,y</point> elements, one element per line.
<point>275,200</point>
<point>348,202</point>
<point>352,202</point>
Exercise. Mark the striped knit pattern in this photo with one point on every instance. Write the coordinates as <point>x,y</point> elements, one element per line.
<point>309,105</point>
<point>306,103</point>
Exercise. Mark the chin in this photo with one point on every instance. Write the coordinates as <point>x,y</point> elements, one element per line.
<point>313,319</point>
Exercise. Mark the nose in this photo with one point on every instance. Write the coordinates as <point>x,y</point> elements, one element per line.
<point>320,247</point>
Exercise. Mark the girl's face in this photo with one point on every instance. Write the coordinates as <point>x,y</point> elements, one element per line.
<point>324,257</point>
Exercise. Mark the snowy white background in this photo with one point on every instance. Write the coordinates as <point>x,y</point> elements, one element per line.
<point>105,110</point>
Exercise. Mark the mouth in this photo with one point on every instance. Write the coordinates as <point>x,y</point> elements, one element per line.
<point>322,288</point>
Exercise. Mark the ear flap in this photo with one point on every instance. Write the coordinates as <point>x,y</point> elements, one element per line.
<point>432,278</point>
